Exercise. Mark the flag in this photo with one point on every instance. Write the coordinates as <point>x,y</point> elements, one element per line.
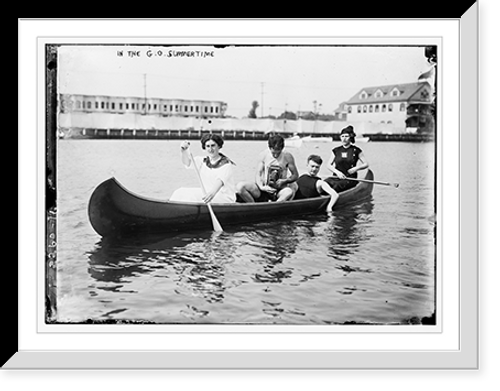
<point>428,76</point>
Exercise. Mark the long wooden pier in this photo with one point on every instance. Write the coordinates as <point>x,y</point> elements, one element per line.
<point>156,134</point>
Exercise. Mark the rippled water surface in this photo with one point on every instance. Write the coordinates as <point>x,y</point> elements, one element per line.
<point>367,263</point>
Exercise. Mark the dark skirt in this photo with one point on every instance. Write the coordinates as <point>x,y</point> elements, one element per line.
<point>340,185</point>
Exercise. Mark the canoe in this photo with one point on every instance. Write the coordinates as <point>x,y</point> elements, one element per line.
<point>116,212</point>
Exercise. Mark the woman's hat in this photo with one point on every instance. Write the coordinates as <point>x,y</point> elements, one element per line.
<point>349,130</point>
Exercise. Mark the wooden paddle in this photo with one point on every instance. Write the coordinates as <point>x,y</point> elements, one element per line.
<point>375,182</point>
<point>215,222</point>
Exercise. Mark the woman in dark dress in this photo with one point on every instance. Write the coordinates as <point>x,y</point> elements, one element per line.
<point>346,160</point>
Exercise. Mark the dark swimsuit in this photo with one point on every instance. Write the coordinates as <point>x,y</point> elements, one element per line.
<point>344,158</point>
<point>307,187</point>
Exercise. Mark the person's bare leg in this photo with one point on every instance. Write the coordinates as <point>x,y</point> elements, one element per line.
<point>247,191</point>
<point>285,194</point>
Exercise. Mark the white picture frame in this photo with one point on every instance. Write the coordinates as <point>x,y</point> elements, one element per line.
<point>455,345</point>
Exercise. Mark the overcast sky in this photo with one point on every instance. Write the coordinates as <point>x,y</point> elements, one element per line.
<point>278,77</point>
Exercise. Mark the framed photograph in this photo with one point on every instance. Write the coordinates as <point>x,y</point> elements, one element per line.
<point>140,248</point>
<point>244,277</point>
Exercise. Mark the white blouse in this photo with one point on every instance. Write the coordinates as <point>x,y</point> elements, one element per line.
<point>209,177</point>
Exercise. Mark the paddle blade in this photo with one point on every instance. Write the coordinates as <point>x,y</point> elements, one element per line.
<point>215,222</point>
<point>217,226</point>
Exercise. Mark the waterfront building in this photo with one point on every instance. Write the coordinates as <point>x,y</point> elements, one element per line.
<point>341,112</point>
<point>407,107</point>
<point>134,105</point>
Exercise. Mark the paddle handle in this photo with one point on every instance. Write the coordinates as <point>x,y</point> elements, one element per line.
<point>215,222</point>
<point>375,182</point>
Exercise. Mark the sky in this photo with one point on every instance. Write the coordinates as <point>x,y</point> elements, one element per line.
<point>279,78</point>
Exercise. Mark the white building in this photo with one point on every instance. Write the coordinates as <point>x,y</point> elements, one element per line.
<point>135,105</point>
<point>341,112</point>
<point>388,104</point>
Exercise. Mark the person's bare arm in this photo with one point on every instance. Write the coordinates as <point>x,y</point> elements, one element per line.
<point>360,165</point>
<point>332,167</point>
<point>185,156</point>
<point>260,177</point>
<point>294,172</point>
<point>324,187</point>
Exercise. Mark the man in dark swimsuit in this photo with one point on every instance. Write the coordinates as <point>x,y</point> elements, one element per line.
<point>311,185</point>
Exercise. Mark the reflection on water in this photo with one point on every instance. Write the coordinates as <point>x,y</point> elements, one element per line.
<point>345,234</point>
<point>193,273</point>
<point>197,262</point>
<point>278,242</point>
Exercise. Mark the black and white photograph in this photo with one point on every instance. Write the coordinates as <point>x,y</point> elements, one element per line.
<point>242,184</point>
<point>256,203</point>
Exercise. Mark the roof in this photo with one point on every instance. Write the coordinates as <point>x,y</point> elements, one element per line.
<point>407,92</point>
<point>340,108</point>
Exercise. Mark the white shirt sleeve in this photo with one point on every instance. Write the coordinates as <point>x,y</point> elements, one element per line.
<point>225,173</point>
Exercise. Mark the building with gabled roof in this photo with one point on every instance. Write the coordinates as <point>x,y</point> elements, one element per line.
<point>389,104</point>
<point>340,112</point>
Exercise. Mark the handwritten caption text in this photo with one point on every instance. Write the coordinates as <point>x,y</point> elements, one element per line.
<point>165,53</point>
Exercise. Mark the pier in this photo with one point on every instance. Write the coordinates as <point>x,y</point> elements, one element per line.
<point>155,134</point>
<point>183,134</point>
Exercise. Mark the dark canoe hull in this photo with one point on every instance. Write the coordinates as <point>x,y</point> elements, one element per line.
<point>116,212</point>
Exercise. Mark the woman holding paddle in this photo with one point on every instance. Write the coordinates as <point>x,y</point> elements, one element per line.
<point>215,172</point>
<point>346,160</point>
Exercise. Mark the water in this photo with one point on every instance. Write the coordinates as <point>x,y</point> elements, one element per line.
<point>367,263</point>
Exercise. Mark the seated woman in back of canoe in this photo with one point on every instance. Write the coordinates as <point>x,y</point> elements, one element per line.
<point>311,185</point>
<point>346,160</point>
<point>216,172</point>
